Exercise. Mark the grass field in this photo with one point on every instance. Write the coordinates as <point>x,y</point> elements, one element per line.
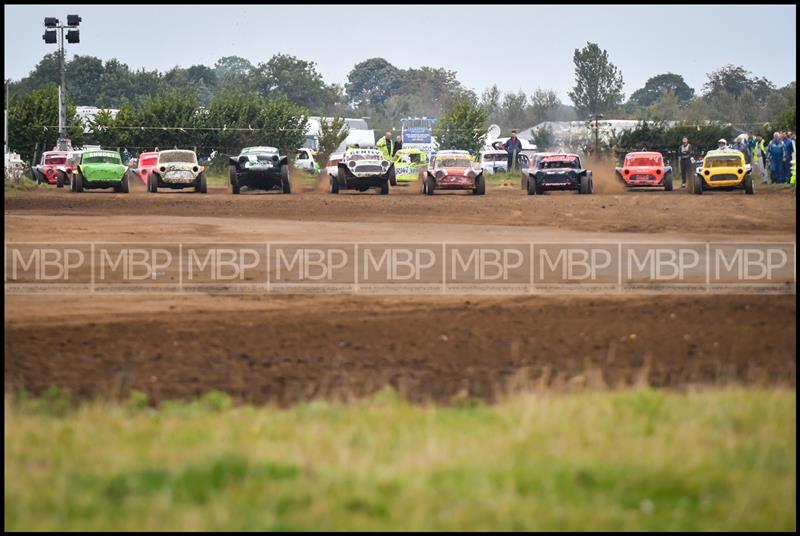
<point>640,459</point>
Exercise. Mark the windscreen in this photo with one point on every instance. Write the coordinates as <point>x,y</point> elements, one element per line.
<point>643,161</point>
<point>55,160</point>
<point>101,159</point>
<point>556,164</point>
<point>449,162</point>
<point>723,161</point>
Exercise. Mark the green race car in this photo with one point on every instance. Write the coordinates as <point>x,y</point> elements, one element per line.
<point>101,169</point>
<point>410,164</point>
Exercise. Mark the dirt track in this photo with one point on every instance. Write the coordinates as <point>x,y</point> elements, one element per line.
<point>290,348</point>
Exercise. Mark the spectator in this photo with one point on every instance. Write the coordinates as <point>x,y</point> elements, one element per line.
<point>512,146</point>
<point>741,146</point>
<point>685,158</point>
<point>759,158</point>
<point>386,146</point>
<point>398,144</point>
<point>722,143</point>
<point>788,155</point>
<point>775,151</point>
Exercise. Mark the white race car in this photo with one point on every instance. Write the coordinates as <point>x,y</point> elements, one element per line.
<point>177,169</point>
<point>362,169</point>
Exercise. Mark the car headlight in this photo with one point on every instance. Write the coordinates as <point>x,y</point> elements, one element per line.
<point>440,174</point>
<point>163,169</point>
<point>385,164</point>
<point>351,164</point>
<point>195,169</point>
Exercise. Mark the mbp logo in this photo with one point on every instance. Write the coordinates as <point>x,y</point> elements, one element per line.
<point>684,263</point>
<point>312,265</point>
<point>224,263</point>
<point>136,264</point>
<point>488,266</point>
<point>749,264</point>
<point>577,265</point>
<point>400,265</point>
<point>48,263</point>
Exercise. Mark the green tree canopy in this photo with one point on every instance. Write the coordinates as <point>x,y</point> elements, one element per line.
<point>598,83</point>
<point>657,85</point>
<point>463,126</point>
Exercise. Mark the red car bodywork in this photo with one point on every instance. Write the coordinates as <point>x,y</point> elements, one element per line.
<point>644,169</point>
<point>146,164</point>
<point>453,178</point>
<point>52,163</point>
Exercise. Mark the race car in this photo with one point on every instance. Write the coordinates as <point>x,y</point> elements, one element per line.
<point>177,169</point>
<point>260,168</point>
<point>362,169</point>
<point>101,169</point>
<point>723,169</point>
<point>453,170</point>
<point>494,161</point>
<point>332,165</point>
<point>559,172</point>
<point>535,162</point>
<point>54,168</point>
<point>305,159</point>
<point>644,168</point>
<point>145,165</point>
<point>410,165</point>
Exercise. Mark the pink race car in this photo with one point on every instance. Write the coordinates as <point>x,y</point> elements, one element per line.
<point>645,169</point>
<point>55,168</point>
<point>146,165</point>
<point>453,170</point>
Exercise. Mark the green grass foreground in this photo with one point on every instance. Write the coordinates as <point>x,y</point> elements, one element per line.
<point>628,460</point>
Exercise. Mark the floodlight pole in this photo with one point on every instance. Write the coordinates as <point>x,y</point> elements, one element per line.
<point>63,140</point>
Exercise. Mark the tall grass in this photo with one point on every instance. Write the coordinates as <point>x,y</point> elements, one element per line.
<point>626,460</point>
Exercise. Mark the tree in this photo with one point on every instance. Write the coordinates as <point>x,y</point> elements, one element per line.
<point>372,81</point>
<point>331,134</point>
<point>544,103</point>
<point>666,107</point>
<point>490,100</point>
<point>543,137</point>
<point>657,85</point>
<point>232,69</point>
<point>598,83</point>
<point>734,80</point>
<point>462,127</point>
<point>297,80</point>
<point>513,111</point>
<point>33,120</point>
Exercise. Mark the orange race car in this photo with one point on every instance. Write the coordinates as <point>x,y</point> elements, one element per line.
<point>646,169</point>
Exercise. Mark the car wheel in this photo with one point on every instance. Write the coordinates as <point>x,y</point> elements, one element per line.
<point>749,187</point>
<point>124,185</point>
<point>532,190</point>
<point>431,185</point>
<point>79,182</point>
<point>392,176</point>
<point>697,185</point>
<point>286,185</point>
<point>152,183</point>
<point>424,186</point>
<point>584,187</point>
<point>480,185</point>
<point>60,179</point>
<point>385,187</point>
<point>525,181</point>
<point>334,185</point>
<point>202,184</point>
<point>668,182</point>
<point>36,176</point>
<point>234,181</point>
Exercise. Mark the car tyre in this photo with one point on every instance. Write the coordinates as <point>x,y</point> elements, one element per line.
<point>668,182</point>
<point>334,185</point>
<point>385,187</point>
<point>392,176</point>
<point>697,185</point>
<point>532,189</point>
<point>431,185</point>
<point>79,182</point>
<point>480,185</point>
<point>749,186</point>
<point>286,185</point>
<point>584,187</point>
<point>202,183</point>
<point>124,185</point>
<point>234,181</point>
<point>152,183</point>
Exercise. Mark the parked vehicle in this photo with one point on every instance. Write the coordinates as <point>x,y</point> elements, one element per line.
<point>454,170</point>
<point>177,169</point>
<point>644,168</point>
<point>305,159</point>
<point>724,169</point>
<point>260,168</point>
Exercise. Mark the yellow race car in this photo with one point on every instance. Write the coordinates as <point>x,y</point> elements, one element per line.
<point>724,169</point>
<point>410,164</point>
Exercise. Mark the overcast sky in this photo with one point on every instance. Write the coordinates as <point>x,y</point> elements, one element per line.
<point>516,47</point>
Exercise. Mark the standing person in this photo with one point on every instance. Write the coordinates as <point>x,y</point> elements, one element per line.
<point>512,146</point>
<point>788,155</point>
<point>775,153</point>
<point>759,154</point>
<point>741,146</point>
<point>386,145</point>
<point>685,158</point>
<point>398,144</point>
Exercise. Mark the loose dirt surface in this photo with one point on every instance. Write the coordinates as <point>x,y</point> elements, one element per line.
<point>284,349</point>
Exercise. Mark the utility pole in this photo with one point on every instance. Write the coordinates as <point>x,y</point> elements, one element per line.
<point>596,118</point>
<point>52,26</point>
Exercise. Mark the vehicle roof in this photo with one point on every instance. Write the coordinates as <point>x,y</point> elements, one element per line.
<point>493,151</point>
<point>54,152</point>
<point>364,151</point>
<point>176,151</point>
<point>452,152</point>
<point>149,153</point>
<point>643,153</point>
<point>560,156</point>
<point>257,149</point>
<point>724,152</point>
<point>410,150</point>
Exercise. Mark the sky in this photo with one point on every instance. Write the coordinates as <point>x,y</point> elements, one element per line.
<point>514,46</point>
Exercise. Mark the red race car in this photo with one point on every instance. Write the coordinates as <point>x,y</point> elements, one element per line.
<point>145,165</point>
<point>645,169</point>
<point>53,169</point>
<point>453,170</point>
